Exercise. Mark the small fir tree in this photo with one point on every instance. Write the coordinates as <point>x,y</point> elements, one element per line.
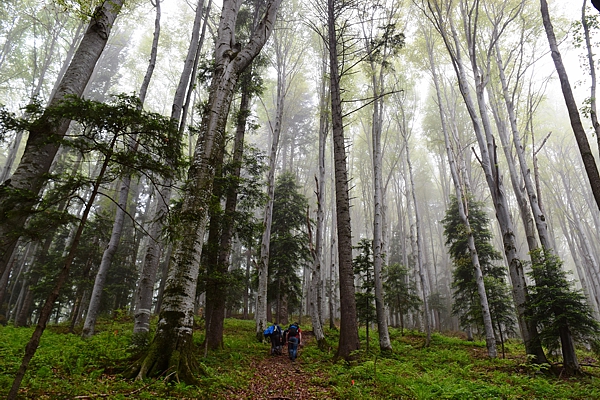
<point>365,299</point>
<point>466,300</point>
<point>400,293</point>
<point>288,247</point>
<point>560,312</point>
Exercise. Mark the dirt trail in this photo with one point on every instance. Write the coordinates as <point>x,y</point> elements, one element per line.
<point>277,378</point>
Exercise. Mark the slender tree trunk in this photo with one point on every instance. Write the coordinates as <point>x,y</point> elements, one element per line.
<point>587,156</point>
<point>46,310</point>
<point>263,272</point>
<point>109,252</point>
<point>462,201</point>
<point>420,255</point>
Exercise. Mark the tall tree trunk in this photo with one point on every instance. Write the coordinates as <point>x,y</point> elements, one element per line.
<point>420,262</point>
<point>462,201</point>
<point>145,290</point>
<point>587,156</point>
<point>29,176</point>
<point>218,261</point>
<point>263,271</point>
<point>591,65</point>
<point>348,341</point>
<point>172,346</point>
<point>489,165</point>
<point>109,252</point>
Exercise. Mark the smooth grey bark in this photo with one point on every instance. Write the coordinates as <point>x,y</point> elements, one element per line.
<point>487,147</point>
<point>145,290</point>
<point>12,156</point>
<point>320,181</point>
<point>589,162</point>
<point>592,67</point>
<point>29,177</point>
<point>421,267</point>
<point>113,244</point>
<point>263,268</point>
<point>172,346</point>
<point>377,75</point>
<point>462,201</point>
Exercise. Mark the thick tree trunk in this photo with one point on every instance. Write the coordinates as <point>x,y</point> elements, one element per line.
<point>348,341</point>
<point>172,346</point>
<point>587,156</point>
<point>29,176</point>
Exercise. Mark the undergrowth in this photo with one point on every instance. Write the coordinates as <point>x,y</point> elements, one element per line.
<point>65,366</point>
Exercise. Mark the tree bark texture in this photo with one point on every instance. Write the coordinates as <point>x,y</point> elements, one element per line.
<point>348,341</point>
<point>172,346</point>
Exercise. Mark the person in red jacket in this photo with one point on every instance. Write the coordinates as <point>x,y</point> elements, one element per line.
<point>293,337</point>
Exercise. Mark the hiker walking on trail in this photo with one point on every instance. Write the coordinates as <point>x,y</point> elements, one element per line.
<point>274,334</point>
<point>293,337</point>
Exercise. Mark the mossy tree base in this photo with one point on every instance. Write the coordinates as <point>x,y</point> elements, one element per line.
<point>172,356</point>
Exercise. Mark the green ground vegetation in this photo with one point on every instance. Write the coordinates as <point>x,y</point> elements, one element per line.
<point>65,366</point>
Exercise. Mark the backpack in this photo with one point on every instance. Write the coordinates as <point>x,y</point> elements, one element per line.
<point>269,331</point>
<point>293,331</point>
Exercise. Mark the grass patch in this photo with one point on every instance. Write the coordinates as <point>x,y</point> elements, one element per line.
<point>65,366</point>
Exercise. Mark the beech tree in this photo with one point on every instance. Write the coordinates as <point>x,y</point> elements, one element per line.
<point>172,346</point>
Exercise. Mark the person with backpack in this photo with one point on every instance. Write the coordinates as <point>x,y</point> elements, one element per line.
<point>275,336</point>
<point>293,337</point>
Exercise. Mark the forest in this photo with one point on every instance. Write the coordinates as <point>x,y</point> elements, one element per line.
<point>413,182</point>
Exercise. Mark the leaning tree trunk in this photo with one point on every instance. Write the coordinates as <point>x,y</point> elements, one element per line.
<point>46,310</point>
<point>30,175</point>
<point>348,341</point>
<point>490,168</point>
<point>587,156</point>
<point>592,67</point>
<point>172,347</point>
<point>462,200</point>
<point>115,237</point>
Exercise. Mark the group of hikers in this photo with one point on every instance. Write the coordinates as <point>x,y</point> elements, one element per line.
<point>292,336</point>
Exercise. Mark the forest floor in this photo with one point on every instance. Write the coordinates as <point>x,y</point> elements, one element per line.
<point>68,367</point>
<point>278,378</point>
